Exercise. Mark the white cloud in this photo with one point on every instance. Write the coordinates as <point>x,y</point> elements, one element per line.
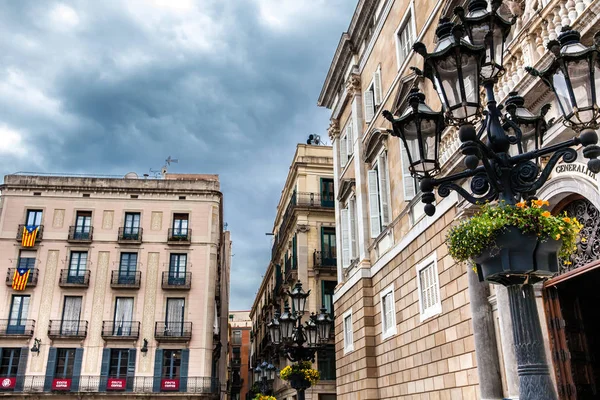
<point>12,142</point>
<point>63,17</point>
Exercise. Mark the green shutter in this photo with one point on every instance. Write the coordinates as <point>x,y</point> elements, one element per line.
<point>295,252</point>
<point>104,367</point>
<point>77,370</point>
<point>183,375</point>
<point>21,369</point>
<point>158,360</point>
<point>131,369</point>
<point>50,369</point>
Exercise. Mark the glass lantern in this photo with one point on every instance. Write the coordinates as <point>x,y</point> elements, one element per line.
<point>299,297</point>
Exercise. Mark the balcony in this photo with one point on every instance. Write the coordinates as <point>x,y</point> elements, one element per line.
<point>179,236</point>
<point>127,330</point>
<point>130,235</point>
<point>80,234</point>
<point>176,280</point>
<point>74,279</point>
<point>125,280</point>
<point>38,237</point>
<point>173,331</point>
<point>31,281</point>
<point>324,262</point>
<point>67,329</point>
<point>17,328</point>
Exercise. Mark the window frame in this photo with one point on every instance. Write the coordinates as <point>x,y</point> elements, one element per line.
<point>122,363</point>
<point>376,167</point>
<point>68,360</point>
<point>407,20</point>
<point>14,356</point>
<point>375,92</point>
<point>434,309</point>
<point>346,149</point>
<point>172,368</point>
<point>348,334</point>
<point>392,330</point>
<point>36,212</point>
<point>235,335</point>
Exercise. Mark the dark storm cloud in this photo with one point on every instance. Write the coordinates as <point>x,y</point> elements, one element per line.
<point>227,87</point>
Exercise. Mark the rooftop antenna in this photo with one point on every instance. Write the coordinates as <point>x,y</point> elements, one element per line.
<point>168,162</point>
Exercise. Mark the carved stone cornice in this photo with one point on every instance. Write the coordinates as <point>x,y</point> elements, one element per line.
<point>301,228</point>
<point>353,85</point>
<point>334,129</point>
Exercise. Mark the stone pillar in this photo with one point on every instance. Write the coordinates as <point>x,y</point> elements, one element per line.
<point>488,364</point>
<point>508,343</point>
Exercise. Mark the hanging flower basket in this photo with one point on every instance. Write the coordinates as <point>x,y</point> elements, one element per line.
<point>514,244</point>
<point>260,396</point>
<point>301,375</point>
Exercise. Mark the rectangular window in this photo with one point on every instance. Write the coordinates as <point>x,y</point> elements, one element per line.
<point>327,289</point>
<point>177,268</point>
<point>123,316</point>
<point>348,333</point>
<point>9,362</point>
<point>353,232</point>
<point>328,247</point>
<point>405,39</point>
<point>171,364</point>
<point>71,315</point>
<point>429,291</point>
<point>347,143</point>
<point>83,225</point>
<point>379,196</point>
<point>180,225</point>
<point>127,268</point>
<point>132,225</point>
<point>27,259</point>
<point>373,97</point>
<point>118,363</point>
<point>34,217</point>
<point>65,358</point>
<point>388,312</point>
<point>345,238</point>
<point>17,318</point>
<point>174,316</point>
<point>327,193</point>
<point>77,267</point>
<point>326,363</point>
<point>409,183</point>
<point>237,337</point>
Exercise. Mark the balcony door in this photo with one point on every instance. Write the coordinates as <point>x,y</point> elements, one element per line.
<point>180,225</point>
<point>77,267</point>
<point>71,314</point>
<point>127,268</point>
<point>17,318</point>
<point>177,269</point>
<point>132,226</point>
<point>34,217</point>
<point>327,194</point>
<point>174,317</point>
<point>123,316</point>
<point>83,225</point>
<point>328,249</point>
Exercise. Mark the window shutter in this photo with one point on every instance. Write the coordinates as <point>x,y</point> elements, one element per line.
<point>350,139</point>
<point>407,180</point>
<point>130,370</point>
<point>369,106</point>
<point>377,87</point>
<point>345,239</point>
<point>352,226</point>
<point>77,369</point>
<point>21,369</point>
<point>50,369</point>
<point>104,367</point>
<point>384,196</point>
<point>158,360</point>
<point>343,151</point>
<point>183,373</point>
<point>374,204</point>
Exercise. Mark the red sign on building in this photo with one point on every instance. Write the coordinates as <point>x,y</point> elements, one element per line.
<point>169,384</point>
<point>7,383</point>
<point>116,384</point>
<point>61,384</point>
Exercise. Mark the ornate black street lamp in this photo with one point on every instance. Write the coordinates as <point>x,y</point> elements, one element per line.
<point>264,374</point>
<point>296,341</point>
<point>468,56</point>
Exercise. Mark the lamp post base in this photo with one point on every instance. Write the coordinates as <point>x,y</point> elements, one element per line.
<point>535,382</point>
<point>300,394</point>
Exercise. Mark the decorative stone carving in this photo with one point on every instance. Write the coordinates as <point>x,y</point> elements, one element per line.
<point>94,337</point>
<point>353,85</point>
<point>58,219</point>
<point>107,219</point>
<point>302,228</point>
<point>149,308</point>
<point>334,129</point>
<point>156,220</point>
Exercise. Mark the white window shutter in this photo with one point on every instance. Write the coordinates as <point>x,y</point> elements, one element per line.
<point>353,232</point>
<point>343,152</point>
<point>384,196</point>
<point>350,139</point>
<point>374,204</point>
<point>377,87</point>
<point>407,180</point>
<point>345,239</point>
<point>369,106</point>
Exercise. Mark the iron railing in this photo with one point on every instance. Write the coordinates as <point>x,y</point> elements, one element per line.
<point>80,234</point>
<point>39,236</point>
<point>67,329</point>
<point>16,328</point>
<point>173,331</point>
<point>176,280</point>
<point>125,280</point>
<point>324,260</point>
<point>179,236</point>
<point>31,281</point>
<point>120,329</point>
<point>135,384</point>
<point>73,278</point>
<point>130,235</point>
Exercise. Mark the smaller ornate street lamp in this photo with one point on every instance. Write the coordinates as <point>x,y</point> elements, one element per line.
<point>299,297</point>
<point>324,324</point>
<point>527,129</point>
<point>275,330</point>
<point>264,375</point>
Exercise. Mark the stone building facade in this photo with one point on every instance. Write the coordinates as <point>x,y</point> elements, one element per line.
<point>410,323</point>
<point>127,291</point>
<point>304,249</point>
<point>240,326</point>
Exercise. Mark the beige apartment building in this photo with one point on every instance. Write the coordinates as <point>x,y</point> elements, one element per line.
<point>127,287</point>
<point>304,249</point>
<point>410,323</point>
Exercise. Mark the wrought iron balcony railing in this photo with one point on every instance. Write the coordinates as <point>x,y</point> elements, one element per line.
<point>120,329</point>
<point>125,280</point>
<point>179,236</point>
<point>38,237</point>
<point>67,329</point>
<point>176,280</point>
<point>31,281</point>
<point>80,234</point>
<point>74,278</point>
<point>17,328</point>
<point>173,331</point>
<point>324,260</point>
<point>128,235</point>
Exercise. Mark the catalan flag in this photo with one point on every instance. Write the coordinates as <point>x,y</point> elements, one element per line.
<point>29,235</point>
<point>20,278</point>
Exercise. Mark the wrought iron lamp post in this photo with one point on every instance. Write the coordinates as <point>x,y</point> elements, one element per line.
<point>466,57</point>
<point>296,341</point>
<point>264,374</point>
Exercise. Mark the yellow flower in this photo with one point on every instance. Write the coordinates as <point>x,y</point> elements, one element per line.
<point>567,219</point>
<point>583,240</point>
<point>521,204</point>
<point>546,214</point>
<point>557,236</point>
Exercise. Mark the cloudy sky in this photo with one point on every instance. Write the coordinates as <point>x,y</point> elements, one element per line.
<point>225,86</point>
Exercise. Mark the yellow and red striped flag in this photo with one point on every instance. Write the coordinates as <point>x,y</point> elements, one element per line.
<point>20,278</point>
<point>29,235</point>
